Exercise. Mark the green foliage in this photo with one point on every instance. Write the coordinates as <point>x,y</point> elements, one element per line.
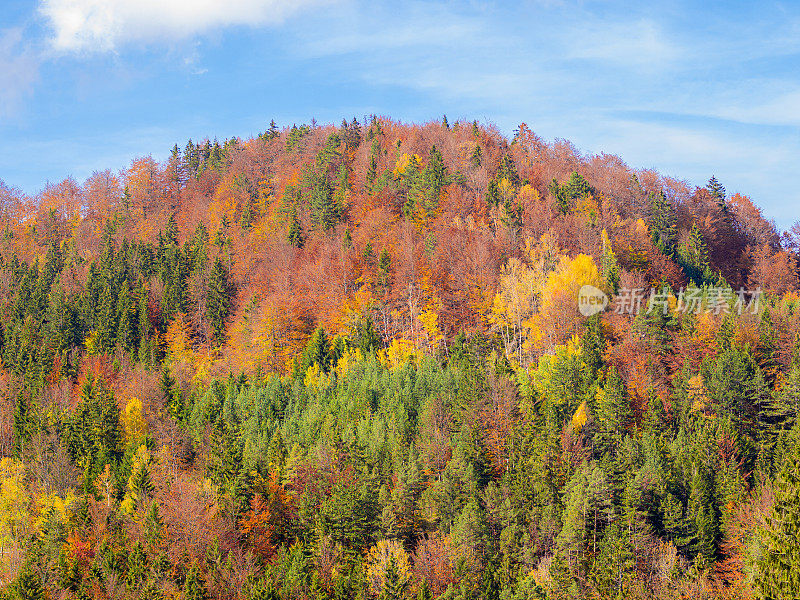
<point>218,303</point>
<point>777,561</point>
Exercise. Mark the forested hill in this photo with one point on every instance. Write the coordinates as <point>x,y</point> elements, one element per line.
<point>349,362</point>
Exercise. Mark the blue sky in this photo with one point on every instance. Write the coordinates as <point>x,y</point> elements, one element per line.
<point>691,89</point>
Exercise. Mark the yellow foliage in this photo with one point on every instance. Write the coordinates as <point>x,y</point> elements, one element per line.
<point>140,460</point>
<point>378,561</point>
<point>589,208</point>
<point>133,421</point>
<point>559,307</point>
<point>312,378</point>
<point>430,323</point>
<point>399,352</point>
<point>347,360</point>
<point>177,340</point>
<point>14,500</point>
<point>505,188</point>
<point>91,344</point>
<point>53,504</point>
<point>403,162</point>
<point>580,417</point>
<point>520,293</point>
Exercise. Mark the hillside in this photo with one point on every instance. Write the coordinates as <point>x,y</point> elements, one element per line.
<point>348,362</point>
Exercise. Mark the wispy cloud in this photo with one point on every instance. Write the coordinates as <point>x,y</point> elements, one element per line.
<point>19,70</point>
<point>640,44</point>
<point>104,25</point>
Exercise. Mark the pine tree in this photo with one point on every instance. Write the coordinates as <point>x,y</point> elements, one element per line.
<point>476,157</point>
<point>766,347</point>
<point>137,567</point>
<point>608,264</point>
<point>394,584</point>
<point>126,319</point>
<point>717,191</point>
<point>384,266</point>
<point>27,585</point>
<point>662,222</point>
<point>324,211</point>
<point>171,232</point>
<point>559,198</point>
<point>785,408</point>
<point>295,235</point>
<point>777,564</point>
<point>107,321</point>
<point>218,302</point>
<point>146,343</point>
<point>194,588</point>
<point>317,351</point>
<point>577,188</point>
<point>612,412</point>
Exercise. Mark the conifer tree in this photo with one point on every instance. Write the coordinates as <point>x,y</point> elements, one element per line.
<point>194,588</point>
<point>559,198</point>
<point>476,157</point>
<point>27,585</point>
<point>608,264</point>
<point>295,234</point>
<point>107,321</point>
<point>126,319</point>
<point>717,191</point>
<point>662,222</point>
<point>777,564</point>
<point>218,302</point>
<point>324,211</point>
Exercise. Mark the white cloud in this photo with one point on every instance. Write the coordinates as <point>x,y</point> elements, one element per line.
<point>638,44</point>
<point>103,25</point>
<point>19,70</point>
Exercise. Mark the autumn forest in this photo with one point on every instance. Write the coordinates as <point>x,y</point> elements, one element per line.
<point>348,362</point>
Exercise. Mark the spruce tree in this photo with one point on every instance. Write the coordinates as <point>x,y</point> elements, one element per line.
<point>662,222</point>
<point>194,588</point>
<point>717,191</point>
<point>777,564</point>
<point>476,157</point>
<point>295,235</point>
<point>27,585</point>
<point>218,302</point>
<point>608,264</point>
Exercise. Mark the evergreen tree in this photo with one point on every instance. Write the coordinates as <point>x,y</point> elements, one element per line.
<point>107,321</point>
<point>324,211</point>
<point>27,585</point>
<point>662,222</point>
<point>295,234</point>
<point>608,264</point>
<point>137,567</point>
<point>777,562</point>
<point>126,319</point>
<point>384,266</point>
<point>394,584</point>
<point>560,198</point>
<point>612,412</point>
<point>476,157</point>
<point>717,191</point>
<point>766,347</point>
<point>317,352</point>
<point>194,588</point>
<point>218,302</point>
